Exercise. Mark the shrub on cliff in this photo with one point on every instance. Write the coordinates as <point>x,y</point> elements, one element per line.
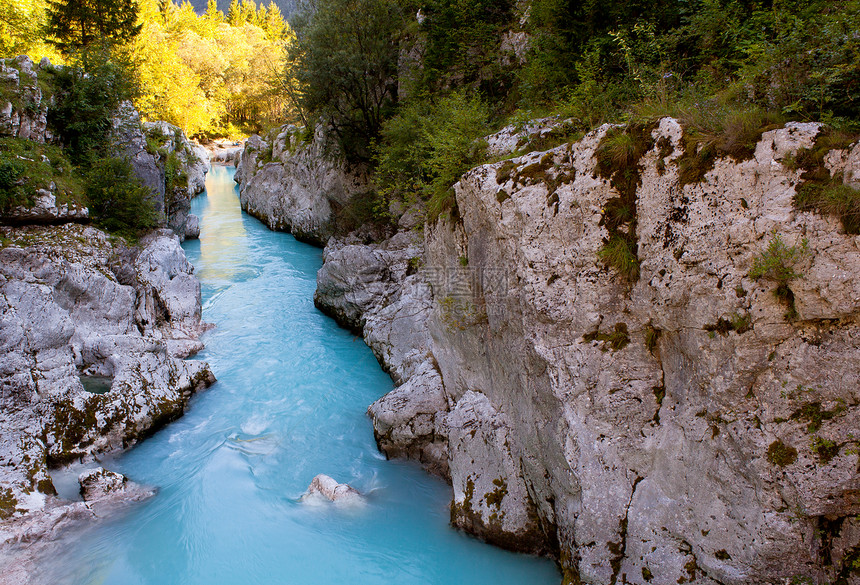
<point>87,97</point>
<point>426,147</point>
<point>345,59</point>
<point>118,202</point>
<point>13,188</point>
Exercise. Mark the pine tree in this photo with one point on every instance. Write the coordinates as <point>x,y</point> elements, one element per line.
<point>262,15</point>
<point>234,13</point>
<point>274,23</point>
<point>212,13</point>
<point>249,11</point>
<point>81,24</point>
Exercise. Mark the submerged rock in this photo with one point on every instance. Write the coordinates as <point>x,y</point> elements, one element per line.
<point>99,485</point>
<point>329,488</point>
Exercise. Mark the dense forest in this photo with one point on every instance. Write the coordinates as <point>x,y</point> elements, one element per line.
<point>214,73</point>
<point>411,86</point>
<point>209,74</point>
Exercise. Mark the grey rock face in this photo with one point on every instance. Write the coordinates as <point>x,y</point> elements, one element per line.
<point>630,433</point>
<point>296,186</point>
<point>75,305</point>
<point>130,141</point>
<point>192,227</point>
<point>148,146</point>
<point>513,138</point>
<point>491,499</point>
<point>45,210</point>
<point>193,164</point>
<point>377,289</point>
<point>409,421</point>
<point>25,115</point>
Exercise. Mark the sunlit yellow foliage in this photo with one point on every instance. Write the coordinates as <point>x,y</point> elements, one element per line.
<point>21,23</point>
<point>204,74</point>
<point>198,72</point>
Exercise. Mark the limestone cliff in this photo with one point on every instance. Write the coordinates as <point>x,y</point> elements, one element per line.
<point>692,420</point>
<point>93,334</point>
<point>162,157</point>
<point>173,167</point>
<point>295,182</point>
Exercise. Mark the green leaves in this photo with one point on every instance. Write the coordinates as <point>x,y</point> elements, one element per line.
<point>86,101</point>
<point>427,147</point>
<point>777,263</point>
<point>117,201</point>
<point>345,59</point>
<point>74,25</point>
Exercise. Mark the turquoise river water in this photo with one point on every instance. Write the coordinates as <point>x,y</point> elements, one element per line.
<point>289,403</point>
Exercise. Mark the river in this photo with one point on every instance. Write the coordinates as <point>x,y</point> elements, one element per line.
<point>289,403</point>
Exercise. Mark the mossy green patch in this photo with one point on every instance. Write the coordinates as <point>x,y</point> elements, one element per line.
<point>739,323</point>
<point>618,339</point>
<point>495,497</point>
<point>618,160</point>
<point>27,166</point>
<point>781,454</point>
<point>814,415</point>
<point>8,503</point>
<point>821,191</point>
<point>825,449</point>
<point>722,133</point>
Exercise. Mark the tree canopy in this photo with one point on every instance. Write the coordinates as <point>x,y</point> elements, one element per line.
<point>79,24</point>
<point>345,61</point>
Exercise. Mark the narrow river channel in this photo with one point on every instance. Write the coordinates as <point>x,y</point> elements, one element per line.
<point>289,403</point>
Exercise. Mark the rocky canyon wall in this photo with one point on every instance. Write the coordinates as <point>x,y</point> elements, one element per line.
<point>295,181</point>
<point>165,161</point>
<point>93,331</point>
<point>692,420</point>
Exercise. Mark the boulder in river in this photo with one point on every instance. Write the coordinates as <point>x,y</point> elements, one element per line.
<point>329,488</point>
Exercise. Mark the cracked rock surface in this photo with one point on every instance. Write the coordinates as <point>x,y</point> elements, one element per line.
<point>683,426</point>
<point>295,185</point>
<point>78,306</point>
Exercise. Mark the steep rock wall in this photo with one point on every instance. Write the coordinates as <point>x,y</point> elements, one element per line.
<point>23,111</point>
<point>678,428</point>
<point>295,185</point>
<point>24,114</point>
<point>75,305</point>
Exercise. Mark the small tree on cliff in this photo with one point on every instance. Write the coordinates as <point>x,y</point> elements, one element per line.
<point>78,25</point>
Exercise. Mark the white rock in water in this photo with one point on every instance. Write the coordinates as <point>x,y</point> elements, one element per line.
<point>329,488</point>
<point>192,227</point>
<point>98,483</point>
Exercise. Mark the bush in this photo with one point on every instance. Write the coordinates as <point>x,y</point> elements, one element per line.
<point>778,261</point>
<point>118,202</point>
<point>26,166</point>
<point>87,97</point>
<point>425,149</point>
<point>619,253</point>
<point>14,190</point>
